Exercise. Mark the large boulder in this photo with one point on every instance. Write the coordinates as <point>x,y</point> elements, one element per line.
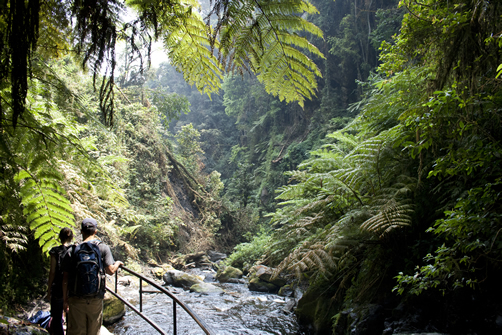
<point>215,256</point>
<point>262,280</point>
<point>256,284</point>
<point>160,270</point>
<point>190,260</point>
<point>181,279</point>
<point>206,288</point>
<point>226,273</point>
<point>113,309</point>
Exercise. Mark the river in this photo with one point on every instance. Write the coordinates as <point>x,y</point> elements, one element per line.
<point>237,311</point>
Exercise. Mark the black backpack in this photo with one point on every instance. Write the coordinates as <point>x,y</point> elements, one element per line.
<point>89,271</point>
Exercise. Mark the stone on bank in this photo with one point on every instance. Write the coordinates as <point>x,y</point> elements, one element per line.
<point>113,309</point>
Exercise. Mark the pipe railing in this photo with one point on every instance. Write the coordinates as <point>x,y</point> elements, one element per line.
<point>160,289</point>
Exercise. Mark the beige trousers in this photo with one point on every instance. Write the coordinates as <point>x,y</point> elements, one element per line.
<point>85,316</point>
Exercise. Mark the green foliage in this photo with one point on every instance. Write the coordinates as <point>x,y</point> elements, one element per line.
<point>247,254</point>
<point>339,195</point>
<point>261,35</point>
<point>264,35</point>
<point>170,106</point>
<point>20,274</point>
<point>457,141</point>
<point>47,211</point>
<point>188,142</point>
<point>189,148</point>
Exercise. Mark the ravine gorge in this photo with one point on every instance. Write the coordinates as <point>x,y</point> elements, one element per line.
<point>284,167</point>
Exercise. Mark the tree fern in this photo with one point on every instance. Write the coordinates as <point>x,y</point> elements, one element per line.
<point>14,236</point>
<point>392,215</point>
<point>190,50</point>
<point>45,207</point>
<point>263,35</point>
<point>349,191</point>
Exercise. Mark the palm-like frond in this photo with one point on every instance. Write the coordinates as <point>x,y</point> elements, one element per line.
<point>263,35</point>
<point>390,216</point>
<point>190,50</point>
<point>349,191</point>
<point>14,236</point>
<point>47,211</point>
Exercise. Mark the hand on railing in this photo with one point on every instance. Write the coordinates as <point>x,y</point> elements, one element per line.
<point>111,269</point>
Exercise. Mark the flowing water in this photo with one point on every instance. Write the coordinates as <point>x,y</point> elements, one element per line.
<point>237,311</point>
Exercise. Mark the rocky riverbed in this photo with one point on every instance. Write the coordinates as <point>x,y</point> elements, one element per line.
<point>226,308</point>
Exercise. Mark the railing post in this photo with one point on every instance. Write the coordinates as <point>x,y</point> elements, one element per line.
<point>174,317</point>
<point>160,290</point>
<point>116,279</point>
<point>140,294</point>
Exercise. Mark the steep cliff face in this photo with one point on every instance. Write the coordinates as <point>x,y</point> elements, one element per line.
<point>175,206</point>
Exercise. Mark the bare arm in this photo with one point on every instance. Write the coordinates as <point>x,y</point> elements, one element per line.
<point>111,269</point>
<point>52,274</point>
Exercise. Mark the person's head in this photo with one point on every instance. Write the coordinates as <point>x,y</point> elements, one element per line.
<point>89,227</point>
<point>66,235</point>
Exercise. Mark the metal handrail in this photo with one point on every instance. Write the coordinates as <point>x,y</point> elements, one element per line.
<point>161,289</point>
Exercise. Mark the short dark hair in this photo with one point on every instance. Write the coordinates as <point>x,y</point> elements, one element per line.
<point>88,230</point>
<point>89,226</point>
<point>66,235</point>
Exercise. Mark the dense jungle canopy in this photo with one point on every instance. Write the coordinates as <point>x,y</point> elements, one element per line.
<point>354,145</point>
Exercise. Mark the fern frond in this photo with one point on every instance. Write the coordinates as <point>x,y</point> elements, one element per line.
<point>264,35</point>
<point>190,50</point>
<point>14,237</point>
<point>45,207</point>
<point>392,215</point>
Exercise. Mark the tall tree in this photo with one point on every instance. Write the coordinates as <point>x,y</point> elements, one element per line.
<point>253,35</point>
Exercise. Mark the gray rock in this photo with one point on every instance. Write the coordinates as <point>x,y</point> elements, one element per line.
<point>113,309</point>
<point>206,288</point>
<point>236,281</point>
<point>298,294</point>
<point>265,273</point>
<point>290,306</point>
<point>256,284</point>
<point>216,256</point>
<point>180,279</point>
<point>227,273</point>
<point>262,280</point>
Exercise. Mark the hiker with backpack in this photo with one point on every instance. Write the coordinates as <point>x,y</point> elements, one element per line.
<point>55,287</point>
<point>84,281</point>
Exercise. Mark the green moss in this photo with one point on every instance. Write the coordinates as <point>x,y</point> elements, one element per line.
<point>227,273</point>
<point>113,309</point>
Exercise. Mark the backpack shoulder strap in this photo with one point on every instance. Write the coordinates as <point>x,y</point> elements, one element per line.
<point>61,252</point>
<point>96,242</point>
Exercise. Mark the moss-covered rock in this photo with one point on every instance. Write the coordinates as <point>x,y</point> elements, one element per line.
<point>206,288</point>
<point>286,291</point>
<point>229,272</point>
<point>158,272</point>
<point>113,309</point>
<point>181,279</point>
<point>256,284</point>
<point>262,280</point>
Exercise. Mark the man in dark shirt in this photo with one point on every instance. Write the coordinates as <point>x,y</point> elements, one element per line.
<point>85,315</point>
